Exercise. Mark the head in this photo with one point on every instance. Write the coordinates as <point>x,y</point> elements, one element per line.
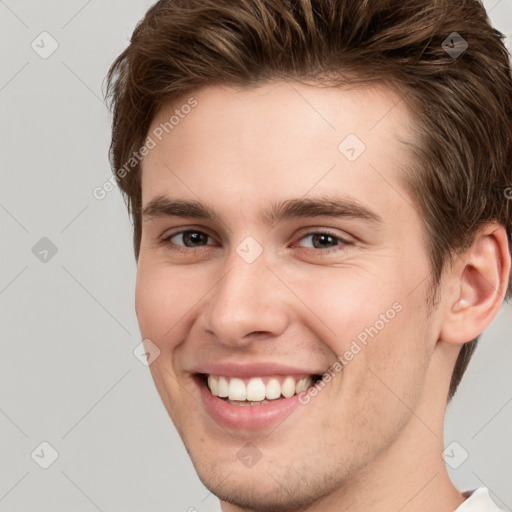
<point>255,119</point>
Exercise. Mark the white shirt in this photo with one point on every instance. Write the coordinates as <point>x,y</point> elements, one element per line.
<point>478,501</point>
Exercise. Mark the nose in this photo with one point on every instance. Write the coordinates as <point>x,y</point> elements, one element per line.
<point>248,303</point>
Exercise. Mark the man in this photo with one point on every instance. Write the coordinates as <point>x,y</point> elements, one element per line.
<point>322,224</point>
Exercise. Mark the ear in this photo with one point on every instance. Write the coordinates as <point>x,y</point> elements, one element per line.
<point>477,284</point>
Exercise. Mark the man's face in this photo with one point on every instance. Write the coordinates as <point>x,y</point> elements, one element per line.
<point>257,299</point>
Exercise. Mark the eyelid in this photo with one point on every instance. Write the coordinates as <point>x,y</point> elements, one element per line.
<point>166,237</point>
<point>312,230</point>
<point>309,231</point>
<point>345,241</point>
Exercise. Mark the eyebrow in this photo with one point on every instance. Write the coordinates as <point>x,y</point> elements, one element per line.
<point>334,207</point>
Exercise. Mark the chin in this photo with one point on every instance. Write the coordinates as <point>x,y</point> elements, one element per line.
<point>259,494</point>
<point>269,485</point>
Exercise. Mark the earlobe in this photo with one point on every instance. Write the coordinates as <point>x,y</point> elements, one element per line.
<point>481,278</point>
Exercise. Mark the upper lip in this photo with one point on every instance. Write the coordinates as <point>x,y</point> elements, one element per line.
<point>248,370</point>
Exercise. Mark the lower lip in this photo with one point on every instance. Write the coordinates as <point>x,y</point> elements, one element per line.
<point>247,417</point>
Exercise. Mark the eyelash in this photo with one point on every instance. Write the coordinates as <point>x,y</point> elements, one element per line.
<point>341,242</point>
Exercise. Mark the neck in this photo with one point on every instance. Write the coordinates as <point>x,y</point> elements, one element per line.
<point>410,476</point>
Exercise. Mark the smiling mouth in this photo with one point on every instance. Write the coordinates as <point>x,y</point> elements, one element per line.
<point>257,390</point>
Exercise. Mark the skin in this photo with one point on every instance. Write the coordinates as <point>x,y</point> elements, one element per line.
<point>374,435</point>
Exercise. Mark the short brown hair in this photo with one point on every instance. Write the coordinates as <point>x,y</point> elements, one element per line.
<point>463,103</point>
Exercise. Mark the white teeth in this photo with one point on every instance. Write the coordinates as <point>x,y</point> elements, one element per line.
<point>213,385</point>
<point>273,389</point>
<point>256,392</point>
<point>302,385</point>
<point>237,390</point>
<point>288,387</point>
<point>235,402</point>
<point>223,387</point>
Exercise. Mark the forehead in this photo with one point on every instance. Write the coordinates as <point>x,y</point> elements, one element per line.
<point>279,139</point>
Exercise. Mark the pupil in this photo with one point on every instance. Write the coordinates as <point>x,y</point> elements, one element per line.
<point>193,237</point>
<point>324,238</point>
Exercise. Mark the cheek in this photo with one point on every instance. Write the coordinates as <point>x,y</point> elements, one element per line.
<point>349,303</point>
<point>163,297</point>
<point>376,325</point>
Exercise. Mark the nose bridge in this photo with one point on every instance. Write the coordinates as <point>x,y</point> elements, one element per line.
<point>244,300</point>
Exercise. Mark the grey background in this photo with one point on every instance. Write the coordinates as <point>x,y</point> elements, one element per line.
<point>68,373</point>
